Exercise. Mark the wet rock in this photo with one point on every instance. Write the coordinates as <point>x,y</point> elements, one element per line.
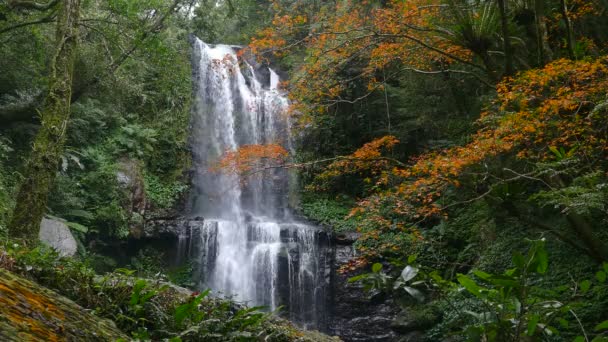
<point>413,336</point>
<point>355,316</point>
<point>347,238</point>
<point>416,318</point>
<point>57,234</point>
<point>405,323</point>
<point>175,227</point>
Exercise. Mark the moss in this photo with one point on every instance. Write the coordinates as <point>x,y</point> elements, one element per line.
<point>41,168</point>
<point>31,312</point>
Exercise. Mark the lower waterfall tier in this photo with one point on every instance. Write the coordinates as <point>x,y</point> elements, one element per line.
<point>264,263</point>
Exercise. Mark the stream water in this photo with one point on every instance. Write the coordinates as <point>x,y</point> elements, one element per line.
<point>249,247</point>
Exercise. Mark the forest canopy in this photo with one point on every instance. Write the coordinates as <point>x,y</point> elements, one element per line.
<point>461,146</point>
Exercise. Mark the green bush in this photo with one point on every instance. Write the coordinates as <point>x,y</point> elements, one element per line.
<point>163,195</point>
<point>331,213</point>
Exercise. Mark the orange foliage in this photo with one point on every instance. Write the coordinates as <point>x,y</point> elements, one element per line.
<point>539,109</point>
<point>251,158</point>
<point>368,159</point>
<point>403,32</point>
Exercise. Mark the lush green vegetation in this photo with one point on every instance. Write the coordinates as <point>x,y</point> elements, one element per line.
<point>132,118</point>
<point>146,308</point>
<point>465,141</point>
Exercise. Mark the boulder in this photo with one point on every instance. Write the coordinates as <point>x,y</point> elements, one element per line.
<point>30,312</point>
<point>57,234</point>
<point>176,227</point>
<point>415,319</point>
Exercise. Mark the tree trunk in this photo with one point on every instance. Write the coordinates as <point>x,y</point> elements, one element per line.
<point>41,168</point>
<point>569,33</point>
<point>504,23</point>
<point>545,55</point>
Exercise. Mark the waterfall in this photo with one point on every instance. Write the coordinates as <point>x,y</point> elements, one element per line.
<point>249,246</point>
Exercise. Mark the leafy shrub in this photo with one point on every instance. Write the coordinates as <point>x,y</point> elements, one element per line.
<point>134,140</point>
<point>329,212</point>
<point>163,195</point>
<point>514,305</point>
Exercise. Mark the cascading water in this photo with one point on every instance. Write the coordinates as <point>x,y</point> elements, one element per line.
<point>249,246</point>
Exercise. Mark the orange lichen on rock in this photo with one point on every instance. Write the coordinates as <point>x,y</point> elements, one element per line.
<point>29,312</point>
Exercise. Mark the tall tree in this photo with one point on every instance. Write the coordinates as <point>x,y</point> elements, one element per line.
<point>506,37</point>
<point>48,145</point>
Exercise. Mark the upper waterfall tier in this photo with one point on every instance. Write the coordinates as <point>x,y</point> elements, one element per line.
<point>237,103</point>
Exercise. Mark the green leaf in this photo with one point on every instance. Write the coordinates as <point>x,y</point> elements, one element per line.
<point>357,278</point>
<point>600,276</point>
<point>532,324</point>
<point>518,260</point>
<point>409,273</point>
<point>543,260</point>
<point>77,227</point>
<point>412,258</point>
<point>417,294</point>
<point>125,271</point>
<point>503,280</point>
<point>585,285</point>
<point>556,152</point>
<point>136,292</point>
<point>482,275</point>
<point>81,213</point>
<point>376,267</point>
<point>469,285</point>
<point>579,339</point>
<point>181,312</point>
<point>601,326</point>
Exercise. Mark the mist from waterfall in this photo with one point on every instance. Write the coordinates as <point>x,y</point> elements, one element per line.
<point>249,246</point>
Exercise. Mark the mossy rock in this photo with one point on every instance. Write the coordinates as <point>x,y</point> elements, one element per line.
<point>30,312</point>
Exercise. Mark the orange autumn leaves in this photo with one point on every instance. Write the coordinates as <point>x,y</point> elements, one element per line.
<point>540,109</point>
<point>337,36</point>
<point>249,159</point>
<point>368,159</point>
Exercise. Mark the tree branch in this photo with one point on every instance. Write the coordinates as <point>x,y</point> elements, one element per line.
<point>33,5</point>
<point>47,19</point>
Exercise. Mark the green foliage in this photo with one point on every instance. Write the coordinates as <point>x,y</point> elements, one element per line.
<point>147,309</point>
<point>6,201</point>
<point>587,194</point>
<point>331,213</point>
<point>134,140</point>
<point>230,22</point>
<point>513,305</point>
<point>161,194</point>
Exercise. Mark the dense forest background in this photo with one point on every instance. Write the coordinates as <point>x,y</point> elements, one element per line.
<point>463,143</point>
